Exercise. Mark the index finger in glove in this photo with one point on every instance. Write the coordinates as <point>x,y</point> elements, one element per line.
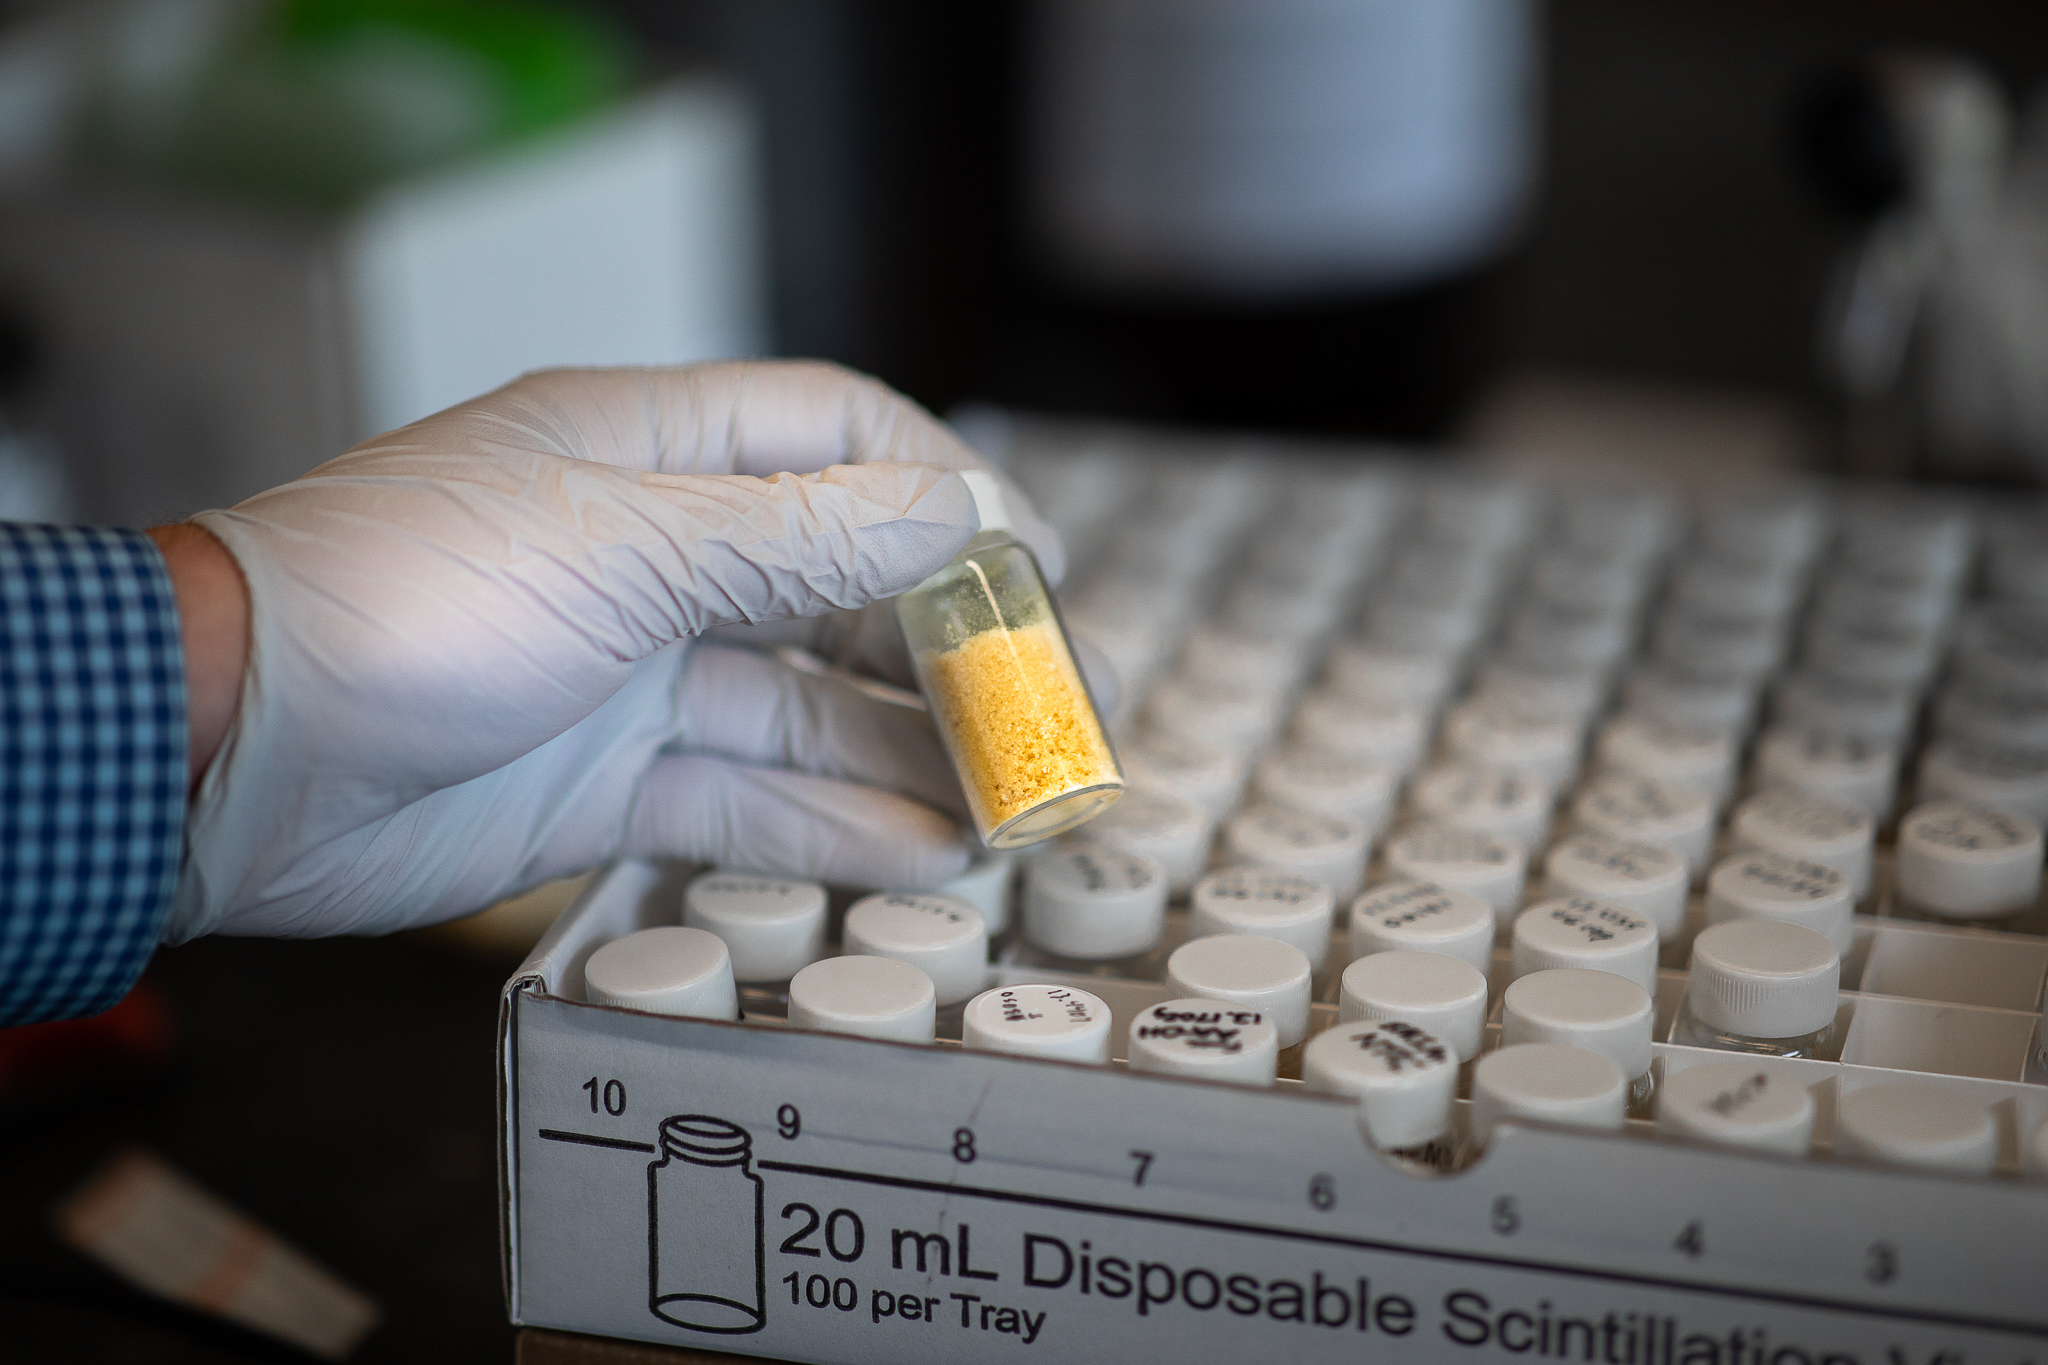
<point>735,417</point>
<point>742,704</point>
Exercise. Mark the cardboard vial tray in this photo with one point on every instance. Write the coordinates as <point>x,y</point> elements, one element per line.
<point>755,1188</point>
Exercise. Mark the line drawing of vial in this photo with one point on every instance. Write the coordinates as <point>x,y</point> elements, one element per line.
<point>706,1269</point>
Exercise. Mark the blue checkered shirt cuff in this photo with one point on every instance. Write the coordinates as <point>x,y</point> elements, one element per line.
<point>92,765</point>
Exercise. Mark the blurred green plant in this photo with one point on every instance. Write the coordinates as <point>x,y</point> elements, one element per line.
<point>318,103</point>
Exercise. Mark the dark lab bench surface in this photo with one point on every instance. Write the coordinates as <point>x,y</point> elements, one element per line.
<point>341,1092</point>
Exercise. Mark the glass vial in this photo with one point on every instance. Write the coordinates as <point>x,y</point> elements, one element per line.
<point>995,665</point>
<point>705,1205</point>
<point>1761,986</point>
<point>1591,1010</point>
<point>1403,1078</point>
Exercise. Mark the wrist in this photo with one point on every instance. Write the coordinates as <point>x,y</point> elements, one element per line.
<point>213,623</point>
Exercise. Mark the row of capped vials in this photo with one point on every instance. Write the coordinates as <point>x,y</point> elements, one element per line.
<point>1574,1042</point>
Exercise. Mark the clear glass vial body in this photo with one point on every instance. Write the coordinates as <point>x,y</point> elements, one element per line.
<point>1691,1031</point>
<point>995,665</point>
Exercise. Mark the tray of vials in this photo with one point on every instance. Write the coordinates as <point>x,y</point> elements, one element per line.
<point>1554,920</point>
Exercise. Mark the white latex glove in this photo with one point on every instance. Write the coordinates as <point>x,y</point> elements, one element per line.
<point>471,667</point>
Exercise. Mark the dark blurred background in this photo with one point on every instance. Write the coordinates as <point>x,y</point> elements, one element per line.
<point>236,237</point>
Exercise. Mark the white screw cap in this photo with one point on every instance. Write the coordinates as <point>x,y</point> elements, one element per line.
<point>941,936</point>
<point>1594,1010</point>
<point>1493,800</point>
<point>1160,825</point>
<point>1738,1104</point>
<point>773,926</point>
<point>1425,918</point>
<point>1764,979</point>
<point>1261,974</point>
<point>1440,995</point>
<point>1266,903</point>
<point>666,970</point>
<point>1229,715</point>
<point>1692,698</point>
<point>1038,1021</point>
<point>1917,1125</point>
<point>1684,756</point>
<point>1421,677</point>
<point>1216,650</point>
<point>1504,734</point>
<point>1206,1038</point>
<point>1846,706</point>
<point>1856,771</point>
<point>1968,862</point>
<point>1381,730</point>
<point>874,997</point>
<point>1403,1078</point>
<point>1579,932</point>
<point>1996,776</point>
<point>1322,847</point>
<point>1646,878</point>
<point>1647,811</point>
<point>1329,783</point>
<point>1548,1082</point>
<point>985,885</point>
<point>1485,865</point>
<point>1093,903</point>
<point>1813,828</point>
<point>1209,776</point>
<point>1759,885</point>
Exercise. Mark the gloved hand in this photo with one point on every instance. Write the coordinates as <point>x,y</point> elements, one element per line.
<point>471,666</point>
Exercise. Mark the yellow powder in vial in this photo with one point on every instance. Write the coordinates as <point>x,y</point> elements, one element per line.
<point>1019,718</point>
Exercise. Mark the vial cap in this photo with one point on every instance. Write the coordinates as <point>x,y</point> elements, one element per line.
<point>1038,1021</point>
<point>1486,865</point>
<point>1982,711</point>
<point>1736,644</point>
<point>1764,979</point>
<point>1594,1010</point>
<point>1425,918</point>
<point>1546,672</point>
<point>985,885</point>
<point>1265,903</point>
<point>773,926</point>
<point>1815,829</point>
<point>1686,756</point>
<point>1968,861</point>
<point>1759,885</point>
<point>1646,878</point>
<point>1325,782</point>
<point>1477,796</point>
<point>1261,974</point>
<point>1544,745</point>
<point>1737,1104</point>
<point>1728,586</point>
<point>1579,932</point>
<point>1442,995</point>
<point>666,970</point>
<point>1383,730</point>
<point>1847,706</point>
<point>1647,811</point>
<point>1917,1125</point>
<point>1693,698</point>
<point>942,936</point>
<point>1996,776</point>
<point>874,997</point>
<point>1854,770</point>
<point>1242,657</point>
<point>1548,1082</point>
<point>1330,850</point>
<point>1236,717</point>
<point>1169,828</point>
<point>1412,673</point>
<point>1094,903</point>
<point>989,503</point>
<point>1403,1078</point>
<point>1207,1038</point>
<point>1204,774</point>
